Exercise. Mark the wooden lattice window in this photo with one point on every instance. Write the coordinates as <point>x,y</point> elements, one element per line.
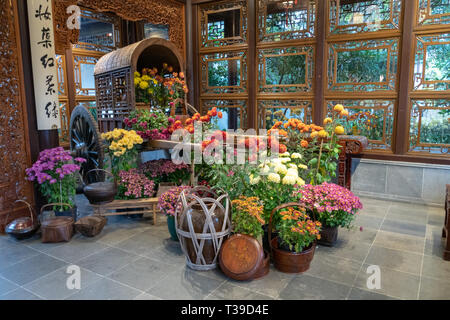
<point>234,113</point>
<point>433,12</point>
<point>288,69</point>
<point>271,111</point>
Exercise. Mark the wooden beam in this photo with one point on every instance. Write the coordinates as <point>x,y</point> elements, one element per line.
<point>320,63</point>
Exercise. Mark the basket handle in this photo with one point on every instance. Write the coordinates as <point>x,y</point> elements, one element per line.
<point>276,209</point>
<point>106,171</point>
<point>55,204</point>
<point>30,208</point>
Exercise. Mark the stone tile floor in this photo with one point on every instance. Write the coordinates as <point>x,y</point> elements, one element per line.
<point>133,259</point>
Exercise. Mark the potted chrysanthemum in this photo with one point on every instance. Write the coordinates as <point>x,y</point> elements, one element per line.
<point>334,206</point>
<point>293,249</point>
<point>168,202</point>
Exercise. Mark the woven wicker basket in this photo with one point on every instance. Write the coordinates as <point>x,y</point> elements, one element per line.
<point>90,226</point>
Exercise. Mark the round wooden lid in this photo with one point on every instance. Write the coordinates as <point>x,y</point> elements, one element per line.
<point>241,257</point>
<point>57,222</point>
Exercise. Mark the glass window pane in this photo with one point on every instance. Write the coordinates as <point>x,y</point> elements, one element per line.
<point>223,23</point>
<point>234,113</point>
<point>371,118</point>
<point>84,75</point>
<point>434,12</point>
<point>356,16</point>
<point>156,31</point>
<point>97,32</point>
<point>430,126</point>
<point>224,72</point>
<point>289,69</point>
<point>369,65</point>
<point>271,111</point>
<point>432,63</point>
<point>286,19</point>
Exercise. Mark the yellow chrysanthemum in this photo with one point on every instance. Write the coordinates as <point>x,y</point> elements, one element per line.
<point>338,107</point>
<point>273,177</point>
<point>296,155</point>
<point>292,172</point>
<point>303,166</point>
<point>300,181</point>
<point>137,81</point>
<point>281,169</point>
<point>143,85</point>
<point>137,74</point>
<point>146,78</point>
<point>290,180</point>
<point>327,121</point>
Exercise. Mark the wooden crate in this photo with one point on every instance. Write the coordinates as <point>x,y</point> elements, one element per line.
<point>149,205</point>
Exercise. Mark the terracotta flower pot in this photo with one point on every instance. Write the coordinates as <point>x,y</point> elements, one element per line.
<point>328,236</point>
<point>291,262</point>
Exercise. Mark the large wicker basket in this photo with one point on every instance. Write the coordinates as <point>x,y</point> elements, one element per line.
<point>90,226</point>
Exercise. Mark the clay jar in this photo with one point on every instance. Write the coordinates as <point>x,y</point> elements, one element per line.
<point>198,221</point>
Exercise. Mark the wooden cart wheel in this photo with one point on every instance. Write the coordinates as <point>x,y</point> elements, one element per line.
<point>85,141</point>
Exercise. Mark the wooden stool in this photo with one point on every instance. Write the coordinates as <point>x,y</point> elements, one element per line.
<point>149,205</point>
<point>446,230</point>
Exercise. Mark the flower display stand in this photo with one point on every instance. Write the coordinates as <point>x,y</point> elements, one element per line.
<point>148,205</point>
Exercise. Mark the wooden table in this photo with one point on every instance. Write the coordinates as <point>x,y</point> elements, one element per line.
<point>149,205</point>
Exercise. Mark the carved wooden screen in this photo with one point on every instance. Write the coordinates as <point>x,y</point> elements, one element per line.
<point>363,41</point>
<point>14,149</point>
<point>223,60</point>
<point>429,103</point>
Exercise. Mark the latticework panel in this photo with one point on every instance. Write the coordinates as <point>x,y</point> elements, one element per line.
<point>280,20</point>
<point>234,112</point>
<point>432,67</point>
<point>348,17</point>
<point>14,156</point>
<point>288,69</point>
<point>223,23</point>
<point>83,67</point>
<point>368,65</point>
<point>271,111</point>
<point>432,12</point>
<point>64,135</point>
<point>430,126</point>
<point>224,72</point>
<point>373,119</point>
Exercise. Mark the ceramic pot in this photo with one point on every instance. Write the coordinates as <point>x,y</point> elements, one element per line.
<point>171,227</point>
<point>328,236</point>
<point>292,262</point>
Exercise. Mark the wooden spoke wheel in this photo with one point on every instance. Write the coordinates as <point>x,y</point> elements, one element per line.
<point>85,141</point>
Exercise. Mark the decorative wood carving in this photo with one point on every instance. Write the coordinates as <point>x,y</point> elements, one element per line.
<point>14,154</point>
<point>64,37</point>
<point>351,145</point>
<point>166,12</point>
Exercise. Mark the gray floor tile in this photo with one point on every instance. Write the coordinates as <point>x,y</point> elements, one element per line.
<point>76,249</point>
<point>169,252</point>
<point>114,234</point>
<point>365,235</point>
<point>436,219</point>
<point>107,261</point>
<point>359,294</point>
<point>404,227</point>
<point>432,289</point>
<point>334,268</point>
<point>106,289</point>
<point>142,243</point>
<point>395,259</point>
<point>36,243</point>
<point>434,243</point>
<point>6,286</point>
<point>185,285</point>
<point>373,210</point>
<point>20,294</point>
<point>228,291</point>
<point>12,253</point>
<point>270,285</point>
<point>400,241</point>
<point>304,287</point>
<point>375,202</point>
<point>368,222</point>
<point>146,296</point>
<point>54,285</point>
<point>393,283</point>
<point>31,269</point>
<point>437,268</point>
<point>417,214</point>
<point>346,248</point>
<point>143,273</point>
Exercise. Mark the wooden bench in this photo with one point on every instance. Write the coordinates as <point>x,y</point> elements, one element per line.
<point>446,230</point>
<point>149,205</point>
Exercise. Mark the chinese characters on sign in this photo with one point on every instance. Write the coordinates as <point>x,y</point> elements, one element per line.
<point>40,17</point>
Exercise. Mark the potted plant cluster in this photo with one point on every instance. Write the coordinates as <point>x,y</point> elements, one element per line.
<point>293,249</point>
<point>165,170</point>
<point>149,124</point>
<point>168,203</point>
<point>55,173</point>
<point>334,206</point>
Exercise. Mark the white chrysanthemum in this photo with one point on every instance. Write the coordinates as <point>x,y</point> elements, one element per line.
<point>273,177</point>
<point>292,172</point>
<point>285,160</point>
<point>254,180</point>
<point>300,181</point>
<point>302,166</point>
<point>281,168</point>
<point>291,180</point>
<point>292,166</point>
<point>286,154</point>
<point>296,155</point>
<point>265,170</point>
